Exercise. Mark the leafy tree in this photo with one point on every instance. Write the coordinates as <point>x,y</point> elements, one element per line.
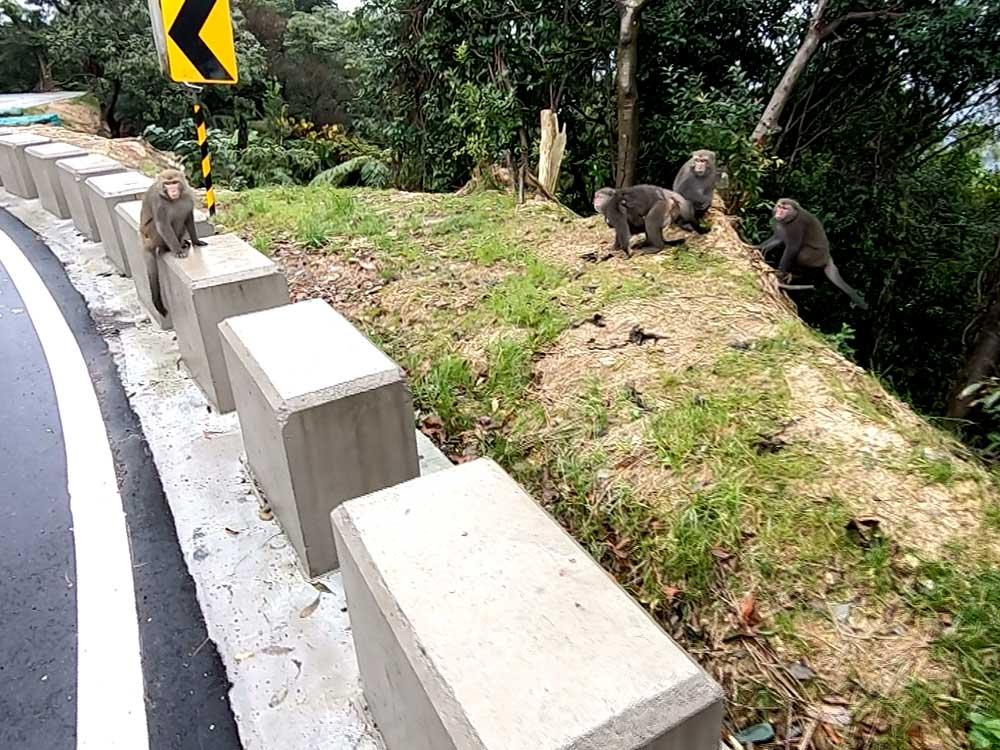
<point>24,60</point>
<point>107,46</point>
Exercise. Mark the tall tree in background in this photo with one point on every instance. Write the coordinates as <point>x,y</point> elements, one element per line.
<point>628,91</point>
<point>23,45</point>
<point>819,30</point>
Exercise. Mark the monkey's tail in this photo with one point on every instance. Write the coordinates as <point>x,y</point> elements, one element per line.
<point>154,284</point>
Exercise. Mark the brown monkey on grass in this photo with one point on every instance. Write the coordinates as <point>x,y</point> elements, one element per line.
<point>167,214</point>
<point>806,246</point>
<point>643,208</point>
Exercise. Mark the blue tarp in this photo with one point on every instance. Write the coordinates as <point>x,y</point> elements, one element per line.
<point>30,120</point>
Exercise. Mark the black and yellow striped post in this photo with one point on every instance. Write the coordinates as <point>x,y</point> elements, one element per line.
<point>206,157</point>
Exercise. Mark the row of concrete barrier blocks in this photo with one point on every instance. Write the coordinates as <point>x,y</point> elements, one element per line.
<point>477,621</point>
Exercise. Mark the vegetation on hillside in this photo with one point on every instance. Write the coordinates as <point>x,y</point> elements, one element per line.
<point>889,133</point>
<point>828,554</point>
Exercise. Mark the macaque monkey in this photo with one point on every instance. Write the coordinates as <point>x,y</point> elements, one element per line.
<point>697,179</point>
<point>806,246</point>
<point>642,208</point>
<point>167,214</point>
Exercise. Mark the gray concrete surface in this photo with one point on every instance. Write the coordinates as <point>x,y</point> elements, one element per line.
<point>480,624</point>
<point>42,164</point>
<point>224,279</point>
<point>325,415</point>
<point>128,215</point>
<point>3,131</point>
<point>104,193</point>
<point>28,101</point>
<point>72,175</point>
<point>16,176</point>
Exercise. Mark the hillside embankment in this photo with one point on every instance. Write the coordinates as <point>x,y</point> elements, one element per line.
<point>827,553</point>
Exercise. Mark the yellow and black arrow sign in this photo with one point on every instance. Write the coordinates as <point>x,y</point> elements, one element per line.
<point>197,40</point>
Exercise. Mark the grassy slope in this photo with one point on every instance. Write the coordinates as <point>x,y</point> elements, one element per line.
<point>716,471</point>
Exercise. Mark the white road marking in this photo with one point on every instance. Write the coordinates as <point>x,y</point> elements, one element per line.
<point>111,711</point>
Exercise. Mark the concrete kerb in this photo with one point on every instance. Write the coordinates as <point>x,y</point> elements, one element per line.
<point>128,215</point>
<point>72,174</point>
<point>224,279</point>
<point>104,193</point>
<point>42,162</point>
<point>480,624</point>
<point>14,172</point>
<point>325,416</point>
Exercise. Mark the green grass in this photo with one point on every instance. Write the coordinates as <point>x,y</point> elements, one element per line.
<point>972,642</point>
<point>527,300</point>
<point>442,388</point>
<point>933,469</point>
<point>508,370</point>
<point>594,408</point>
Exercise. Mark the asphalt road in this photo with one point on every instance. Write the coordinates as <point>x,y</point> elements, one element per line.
<point>97,649</point>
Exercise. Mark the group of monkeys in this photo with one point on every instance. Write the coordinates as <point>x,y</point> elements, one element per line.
<point>652,209</point>
<point>168,214</point>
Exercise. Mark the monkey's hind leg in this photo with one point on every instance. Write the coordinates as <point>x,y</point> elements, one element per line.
<point>657,219</point>
<point>834,276</point>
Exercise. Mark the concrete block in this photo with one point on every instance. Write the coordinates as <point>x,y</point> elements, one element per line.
<point>3,131</point>
<point>222,280</point>
<point>104,193</point>
<point>325,416</point>
<point>14,165</point>
<point>72,175</point>
<point>128,214</point>
<point>479,624</point>
<point>42,162</point>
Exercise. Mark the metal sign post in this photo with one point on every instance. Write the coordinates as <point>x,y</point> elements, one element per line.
<point>194,42</point>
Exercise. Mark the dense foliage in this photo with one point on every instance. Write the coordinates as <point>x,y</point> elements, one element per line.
<point>886,135</point>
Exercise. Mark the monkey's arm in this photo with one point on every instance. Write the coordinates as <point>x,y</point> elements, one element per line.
<point>161,220</point>
<point>769,244</point>
<point>193,232</point>
<point>793,243</point>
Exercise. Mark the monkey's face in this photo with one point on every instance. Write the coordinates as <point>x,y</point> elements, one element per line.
<point>702,162</point>
<point>601,197</point>
<point>173,189</point>
<point>784,211</point>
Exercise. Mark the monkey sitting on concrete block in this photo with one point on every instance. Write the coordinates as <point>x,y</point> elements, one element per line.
<point>806,247</point>
<point>641,208</point>
<point>167,214</point>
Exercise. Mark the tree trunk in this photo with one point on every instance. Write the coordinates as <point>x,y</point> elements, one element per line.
<point>550,152</point>
<point>108,113</point>
<point>982,362</point>
<point>628,93</point>
<point>45,82</point>
<point>772,113</point>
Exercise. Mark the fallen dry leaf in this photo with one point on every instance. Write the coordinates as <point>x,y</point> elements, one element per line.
<point>748,611</point>
<point>671,592</point>
<point>306,612</point>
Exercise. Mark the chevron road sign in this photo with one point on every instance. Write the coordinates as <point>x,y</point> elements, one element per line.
<point>194,39</point>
